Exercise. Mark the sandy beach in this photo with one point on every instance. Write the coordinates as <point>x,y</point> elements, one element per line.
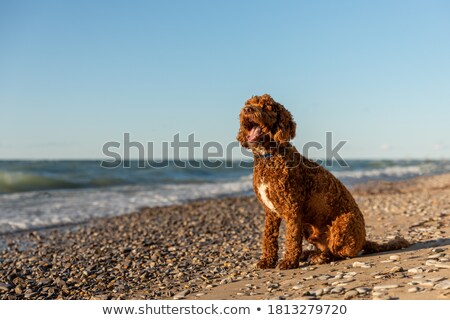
<point>208,250</point>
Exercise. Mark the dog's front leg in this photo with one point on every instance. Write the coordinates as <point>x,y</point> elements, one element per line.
<point>293,243</point>
<point>270,241</point>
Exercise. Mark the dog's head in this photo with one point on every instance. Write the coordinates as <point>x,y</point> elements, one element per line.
<point>262,121</point>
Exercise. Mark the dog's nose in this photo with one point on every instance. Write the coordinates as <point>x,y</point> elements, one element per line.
<point>248,109</point>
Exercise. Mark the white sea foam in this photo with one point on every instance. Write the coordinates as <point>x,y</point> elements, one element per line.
<point>37,209</point>
<point>394,172</point>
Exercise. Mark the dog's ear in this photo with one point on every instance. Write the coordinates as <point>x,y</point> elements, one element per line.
<point>285,126</point>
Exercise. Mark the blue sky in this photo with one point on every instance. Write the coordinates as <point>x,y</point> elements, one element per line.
<point>76,74</point>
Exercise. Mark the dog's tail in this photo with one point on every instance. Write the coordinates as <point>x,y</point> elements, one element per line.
<point>395,244</point>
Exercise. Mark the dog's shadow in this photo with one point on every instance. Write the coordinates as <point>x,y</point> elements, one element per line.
<point>418,246</point>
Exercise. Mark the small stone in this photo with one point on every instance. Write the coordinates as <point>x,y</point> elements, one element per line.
<point>396,269</point>
<point>435,256</point>
<point>297,287</point>
<point>443,285</point>
<point>337,290</point>
<point>437,279</point>
<point>4,287</point>
<point>350,294</point>
<point>430,262</point>
<point>437,250</point>
<point>442,265</point>
<point>273,285</point>
<point>99,297</point>
<point>350,275</point>
<point>413,289</point>
<point>358,264</point>
<point>342,283</point>
<point>416,270</point>
<point>394,257</point>
<point>385,287</point>
<point>426,284</point>
<point>327,289</point>
<point>363,290</point>
<point>317,293</point>
<point>378,293</point>
<point>324,277</point>
<point>200,294</point>
<point>181,295</point>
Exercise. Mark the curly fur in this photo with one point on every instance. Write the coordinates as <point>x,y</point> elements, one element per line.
<point>315,205</point>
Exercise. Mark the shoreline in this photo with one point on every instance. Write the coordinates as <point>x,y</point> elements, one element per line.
<point>207,249</point>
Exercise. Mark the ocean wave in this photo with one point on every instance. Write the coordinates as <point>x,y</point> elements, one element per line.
<point>20,182</point>
<point>39,209</point>
<point>392,172</point>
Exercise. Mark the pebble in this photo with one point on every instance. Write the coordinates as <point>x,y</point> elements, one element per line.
<point>350,275</point>
<point>350,294</point>
<point>4,286</point>
<point>422,283</point>
<point>442,265</point>
<point>298,287</point>
<point>416,270</point>
<point>413,289</point>
<point>443,285</point>
<point>181,295</point>
<point>437,250</point>
<point>396,269</point>
<point>394,257</point>
<point>363,290</point>
<point>437,279</point>
<point>435,256</point>
<point>324,277</point>
<point>358,264</point>
<point>386,261</point>
<point>385,287</point>
<point>431,262</point>
<point>342,283</point>
<point>273,285</point>
<point>317,292</point>
<point>327,290</point>
<point>378,293</point>
<point>337,290</point>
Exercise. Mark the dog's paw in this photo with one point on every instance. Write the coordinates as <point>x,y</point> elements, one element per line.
<point>288,264</point>
<point>265,263</point>
<point>319,258</point>
<point>306,254</point>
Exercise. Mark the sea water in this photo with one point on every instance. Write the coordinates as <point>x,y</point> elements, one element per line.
<point>39,194</point>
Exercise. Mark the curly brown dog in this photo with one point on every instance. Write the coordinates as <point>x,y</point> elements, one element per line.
<point>315,205</point>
